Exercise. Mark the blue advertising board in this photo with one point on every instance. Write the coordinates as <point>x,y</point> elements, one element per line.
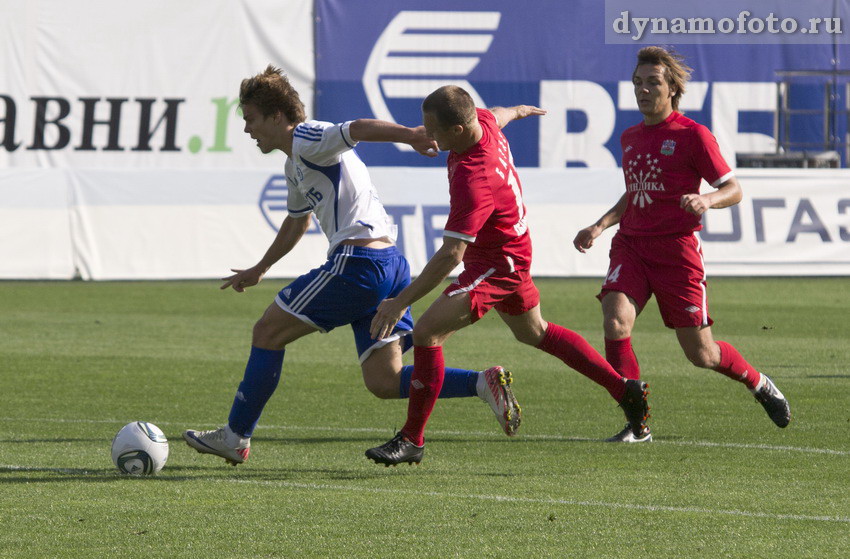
<point>380,58</point>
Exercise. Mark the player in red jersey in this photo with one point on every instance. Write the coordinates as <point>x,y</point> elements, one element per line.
<point>656,250</point>
<point>487,231</point>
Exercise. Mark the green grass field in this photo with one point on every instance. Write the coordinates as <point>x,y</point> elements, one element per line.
<point>79,360</point>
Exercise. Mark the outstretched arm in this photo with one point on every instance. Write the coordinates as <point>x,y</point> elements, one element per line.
<point>291,231</point>
<point>504,115</point>
<point>438,267</point>
<point>584,239</point>
<point>372,130</point>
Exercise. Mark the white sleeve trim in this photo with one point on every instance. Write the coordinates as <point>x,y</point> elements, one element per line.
<point>723,179</point>
<point>346,134</point>
<point>461,236</point>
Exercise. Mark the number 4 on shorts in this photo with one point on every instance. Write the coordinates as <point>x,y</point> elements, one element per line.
<point>613,274</point>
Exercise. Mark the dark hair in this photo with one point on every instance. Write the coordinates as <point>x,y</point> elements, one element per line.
<point>271,92</point>
<point>451,105</point>
<point>677,72</point>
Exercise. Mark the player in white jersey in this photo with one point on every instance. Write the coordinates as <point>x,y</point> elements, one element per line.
<point>323,167</point>
<point>326,178</point>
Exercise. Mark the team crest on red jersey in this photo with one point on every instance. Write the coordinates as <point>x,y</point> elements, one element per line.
<point>668,147</point>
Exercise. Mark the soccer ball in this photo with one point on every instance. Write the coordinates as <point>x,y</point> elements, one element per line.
<point>139,449</point>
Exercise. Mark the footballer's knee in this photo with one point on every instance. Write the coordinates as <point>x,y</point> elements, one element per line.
<point>619,313</point>
<point>383,385</point>
<point>267,335</point>
<point>617,327</point>
<point>422,337</point>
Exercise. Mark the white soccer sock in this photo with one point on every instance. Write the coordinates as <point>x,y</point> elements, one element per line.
<point>234,439</point>
<point>481,385</point>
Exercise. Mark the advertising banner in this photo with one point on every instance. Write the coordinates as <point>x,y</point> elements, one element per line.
<point>155,224</point>
<point>96,85</point>
<point>104,84</point>
<point>382,57</point>
<point>123,156</point>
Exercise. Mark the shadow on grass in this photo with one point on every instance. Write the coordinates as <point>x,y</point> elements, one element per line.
<point>365,440</point>
<point>26,474</point>
<point>216,471</point>
<point>62,440</point>
<point>35,474</point>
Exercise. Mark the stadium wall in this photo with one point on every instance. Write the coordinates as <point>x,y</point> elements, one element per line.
<point>122,154</point>
<point>109,224</point>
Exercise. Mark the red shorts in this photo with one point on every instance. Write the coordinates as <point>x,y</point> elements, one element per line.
<point>513,293</point>
<point>669,267</point>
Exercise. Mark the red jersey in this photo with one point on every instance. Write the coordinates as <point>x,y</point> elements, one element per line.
<point>486,202</point>
<point>661,163</point>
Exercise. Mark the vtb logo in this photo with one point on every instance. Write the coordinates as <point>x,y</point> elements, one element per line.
<point>421,51</point>
<point>273,204</point>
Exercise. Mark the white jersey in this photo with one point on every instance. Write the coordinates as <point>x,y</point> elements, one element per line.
<point>325,176</point>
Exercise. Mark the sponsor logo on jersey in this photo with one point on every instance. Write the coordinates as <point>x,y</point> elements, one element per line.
<point>420,51</point>
<point>692,309</point>
<point>642,175</point>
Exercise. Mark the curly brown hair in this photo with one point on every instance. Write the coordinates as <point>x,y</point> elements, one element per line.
<point>270,91</point>
<point>678,73</point>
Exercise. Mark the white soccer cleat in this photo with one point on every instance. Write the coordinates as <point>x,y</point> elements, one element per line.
<point>220,442</point>
<point>494,387</point>
<point>627,436</point>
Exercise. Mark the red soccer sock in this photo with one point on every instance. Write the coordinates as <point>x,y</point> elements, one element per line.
<point>734,366</point>
<point>574,350</point>
<point>428,372</point>
<point>621,356</point>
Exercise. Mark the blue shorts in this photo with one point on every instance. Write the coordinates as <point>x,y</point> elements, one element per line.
<point>347,290</point>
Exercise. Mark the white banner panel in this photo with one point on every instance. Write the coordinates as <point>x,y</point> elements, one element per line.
<point>175,224</point>
<point>35,226</point>
<point>791,222</point>
<point>172,224</point>
<point>105,84</point>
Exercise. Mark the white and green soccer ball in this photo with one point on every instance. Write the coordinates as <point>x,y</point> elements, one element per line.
<point>140,449</point>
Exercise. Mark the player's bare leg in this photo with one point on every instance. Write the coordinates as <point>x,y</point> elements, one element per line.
<point>699,346</point>
<point>382,370</point>
<point>445,316</point>
<point>531,328</point>
<point>619,313</point>
<point>275,329</point>
<point>703,351</point>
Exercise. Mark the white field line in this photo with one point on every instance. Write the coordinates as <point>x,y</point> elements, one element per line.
<point>487,434</point>
<point>545,501</point>
<point>497,498</point>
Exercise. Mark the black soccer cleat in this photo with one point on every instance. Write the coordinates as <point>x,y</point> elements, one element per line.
<point>774,402</point>
<point>395,451</point>
<point>635,407</point>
